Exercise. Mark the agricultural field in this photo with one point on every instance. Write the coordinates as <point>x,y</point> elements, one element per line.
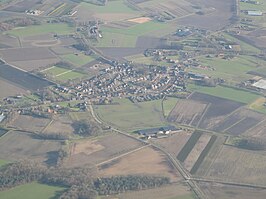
<point>258,105</point>
<point>228,93</point>
<point>218,108</point>
<point>60,124</point>
<point>31,191</point>
<point>238,165</point>
<point>144,161</point>
<point>174,143</point>
<point>188,112</point>
<point>100,149</point>
<point>18,145</point>
<point>174,191</point>
<point>232,70</point>
<point>60,29</point>
<point>221,191</point>
<point>63,74</point>
<point>132,116</point>
<point>168,105</point>
<point>78,60</point>
<point>29,123</point>
<point>10,89</point>
<point>3,163</point>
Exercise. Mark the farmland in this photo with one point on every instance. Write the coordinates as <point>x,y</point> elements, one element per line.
<point>63,74</point>
<point>31,191</point>
<point>18,145</point>
<point>60,29</point>
<point>78,60</point>
<point>132,116</point>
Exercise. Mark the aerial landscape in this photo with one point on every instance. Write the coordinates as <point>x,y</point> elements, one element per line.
<point>132,99</point>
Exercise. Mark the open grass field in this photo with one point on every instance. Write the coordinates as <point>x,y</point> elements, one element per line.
<point>232,71</point>
<point>239,165</point>
<point>226,93</point>
<point>220,191</point>
<point>168,104</point>
<point>258,105</point>
<point>244,46</point>
<point>29,123</point>
<point>3,163</point>
<point>31,191</point>
<point>7,89</point>
<point>132,116</point>
<point>174,143</point>
<point>60,29</point>
<point>98,150</point>
<point>78,60</point>
<point>63,74</point>
<point>144,161</point>
<point>173,191</point>
<point>17,145</point>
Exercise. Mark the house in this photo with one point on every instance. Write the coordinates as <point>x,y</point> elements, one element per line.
<point>254,13</point>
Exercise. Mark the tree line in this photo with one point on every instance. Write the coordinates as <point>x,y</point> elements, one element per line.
<point>80,183</point>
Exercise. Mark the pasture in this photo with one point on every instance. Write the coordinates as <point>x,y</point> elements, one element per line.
<point>239,165</point>
<point>132,116</point>
<point>31,191</point>
<point>55,28</point>
<point>18,145</point>
<point>144,161</point>
<point>98,150</point>
<point>63,74</point>
<point>78,59</point>
<point>232,70</point>
<point>228,93</point>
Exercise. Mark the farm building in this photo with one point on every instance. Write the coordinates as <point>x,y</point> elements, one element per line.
<point>260,84</point>
<point>254,13</point>
<point>153,132</point>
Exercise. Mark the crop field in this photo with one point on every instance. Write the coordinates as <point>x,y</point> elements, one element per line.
<point>258,105</point>
<point>174,143</point>
<point>187,112</point>
<point>239,122</point>
<point>78,60</point>
<point>60,29</point>
<point>216,14</point>
<point>16,146</point>
<point>236,95</point>
<point>29,123</point>
<point>208,155</point>
<point>173,191</point>
<point>31,191</point>
<point>59,125</point>
<point>258,131</point>
<point>182,155</point>
<point>101,149</point>
<point>33,65</point>
<point>132,116</point>
<point>196,151</point>
<point>112,11</point>
<point>25,54</point>
<point>63,74</point>
<point>239,165</point>
<point>22,6</point>
<point>233,70</point>
<point>217,109</point>
<point>168,105</point>
<point>221,191</point>
<point>145,161</point>
<point>8,89</point>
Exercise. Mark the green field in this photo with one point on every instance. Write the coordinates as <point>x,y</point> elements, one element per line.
<point>78,60</point>
<point>141,59</point>
<point>244,46</point>
<point>127,37</point>
<point>63,74</point>
<point>61,29</point>
<point>233,71</point>
<point>130,116</point>
<point>3,162</point>
<point>168,104</point>
<point>31,191</point>
<point>227,93</point>
<point>117,6</point>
